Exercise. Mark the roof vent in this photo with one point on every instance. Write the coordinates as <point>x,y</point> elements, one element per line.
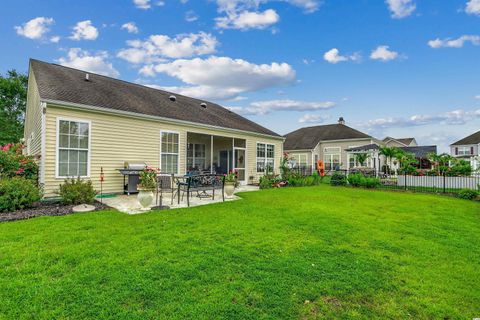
<point>203,105</point>
<point>172,98</point>
<point>341,120</point>
<point>87,77</point>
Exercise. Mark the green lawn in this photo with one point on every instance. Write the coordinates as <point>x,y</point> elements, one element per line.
<point>294,253</point>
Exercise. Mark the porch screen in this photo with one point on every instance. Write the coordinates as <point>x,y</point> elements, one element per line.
<point>169,152</point>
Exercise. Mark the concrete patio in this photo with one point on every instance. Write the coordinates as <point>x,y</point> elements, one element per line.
<point>130,205</point>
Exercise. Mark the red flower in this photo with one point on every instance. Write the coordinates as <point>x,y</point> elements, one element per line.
<point>20,171</point>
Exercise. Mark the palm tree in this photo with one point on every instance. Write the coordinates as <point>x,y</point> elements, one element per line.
<point>388,153</point>
<point>362,157</point>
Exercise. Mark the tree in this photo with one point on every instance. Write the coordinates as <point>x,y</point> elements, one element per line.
<point>388,153</point>
<point>362,158</point>
<point>13,102</point>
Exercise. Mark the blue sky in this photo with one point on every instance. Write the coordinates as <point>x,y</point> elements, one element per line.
<point>397,67</point>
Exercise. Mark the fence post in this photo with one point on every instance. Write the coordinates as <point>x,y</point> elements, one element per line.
<point>444,179</point>
<point>405,178</point>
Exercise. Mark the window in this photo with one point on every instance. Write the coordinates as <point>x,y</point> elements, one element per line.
<point>196,156</point>
<point>265,157</point>
<point>169,152</point>
<point>332,158</point>
<point>300,160</point>
<point>73,148</point>
<point>464,151</point>
<point>352,163</point>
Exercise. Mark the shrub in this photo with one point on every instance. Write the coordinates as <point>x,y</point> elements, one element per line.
<point>359,180</point>
<point>338,179</point>
<point>468,194</point>
<point>14,164</point>
<point>266,182</point>
<point>17,193</point>
<point>77,191</point>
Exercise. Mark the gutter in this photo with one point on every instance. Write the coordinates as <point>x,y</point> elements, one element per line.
<point>71,105</point>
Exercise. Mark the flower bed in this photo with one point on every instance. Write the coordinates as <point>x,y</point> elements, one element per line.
<point>44,209</point>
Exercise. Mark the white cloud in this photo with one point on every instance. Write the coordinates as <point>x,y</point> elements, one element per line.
<point>477,97</point>
<point>248,20</point>
<point>84,30</point>
<point>35,28</point>
<point>84,60</point>
<point>191,16</point>
<point>245,14</point>
<point>55,39</point>
<point>131,27</point>
<point>241,5</point>
<point>221,78</point>
<point>265,107</point>
<point>455,117</point>
<point>454,43</point>
<point>473,7</point>
<point>334,56</point>
<point>313,118</point>
<point>142,4</point>
<point>158,47</point>
<point>401,8</point>
<point>384,53</point>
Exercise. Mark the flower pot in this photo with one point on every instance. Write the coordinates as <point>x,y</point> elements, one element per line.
<point>145,198</point>
<point>229,188</point>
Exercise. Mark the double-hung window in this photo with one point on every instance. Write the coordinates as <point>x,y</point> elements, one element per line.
<point>265,157</point>
<point>73,142</point>
<point>464,151</point>
<point>169,152</point>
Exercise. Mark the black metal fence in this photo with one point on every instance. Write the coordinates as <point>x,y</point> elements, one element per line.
<point>420,183</point>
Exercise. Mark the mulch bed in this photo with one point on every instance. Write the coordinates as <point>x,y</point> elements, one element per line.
<point>44,209</point>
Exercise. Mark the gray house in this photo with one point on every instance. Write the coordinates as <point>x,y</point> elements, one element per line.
<point>468,149</point>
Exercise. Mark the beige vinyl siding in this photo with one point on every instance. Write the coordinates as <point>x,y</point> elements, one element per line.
<point>342,144</point>
<point>116,139</point>
<point>33,119</point>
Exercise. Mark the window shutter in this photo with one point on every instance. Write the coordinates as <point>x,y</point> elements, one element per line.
<point>471,150</point>
<point>456,151</point>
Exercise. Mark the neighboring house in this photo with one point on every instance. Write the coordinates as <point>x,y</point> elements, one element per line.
<point>328,143</point>
<point>78,123</point>
<point>468,148</point>
<point>401,142</point>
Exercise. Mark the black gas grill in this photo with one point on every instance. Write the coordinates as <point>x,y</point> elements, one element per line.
<point>131,177</point>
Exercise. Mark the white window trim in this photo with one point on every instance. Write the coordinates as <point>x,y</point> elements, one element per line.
<point>57,146</point>
<point>178,154</point>
<point>256,155</point>
<point>332,152</point>
<point>465,151</point>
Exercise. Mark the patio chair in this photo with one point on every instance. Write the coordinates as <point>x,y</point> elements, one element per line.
<point>166,184</point>
<point>201,184</point>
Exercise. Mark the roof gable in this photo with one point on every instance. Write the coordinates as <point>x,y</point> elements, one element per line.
<point>308,137</point>
<point>68,85</point>
<point>471,139</point>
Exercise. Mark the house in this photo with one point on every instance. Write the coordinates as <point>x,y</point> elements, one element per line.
<point>328,143</point>
<point>468,148</point>
<point>78,124</point>
<point>399,142</point>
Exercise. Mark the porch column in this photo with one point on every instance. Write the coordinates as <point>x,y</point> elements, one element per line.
<point>211,154</point>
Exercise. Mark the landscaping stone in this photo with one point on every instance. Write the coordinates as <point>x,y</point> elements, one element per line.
<point>83,208</point>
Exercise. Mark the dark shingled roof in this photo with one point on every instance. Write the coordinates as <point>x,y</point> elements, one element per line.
<point>309,137</point>
<point>420,151</point>
<point>65,84</point>
<point>471,139</point>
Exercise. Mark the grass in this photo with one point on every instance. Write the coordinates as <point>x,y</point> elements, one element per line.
<point>293,253</point>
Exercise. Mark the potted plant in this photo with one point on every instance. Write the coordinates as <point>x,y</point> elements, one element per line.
<point>230,183</point>
<point>146,187</point>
